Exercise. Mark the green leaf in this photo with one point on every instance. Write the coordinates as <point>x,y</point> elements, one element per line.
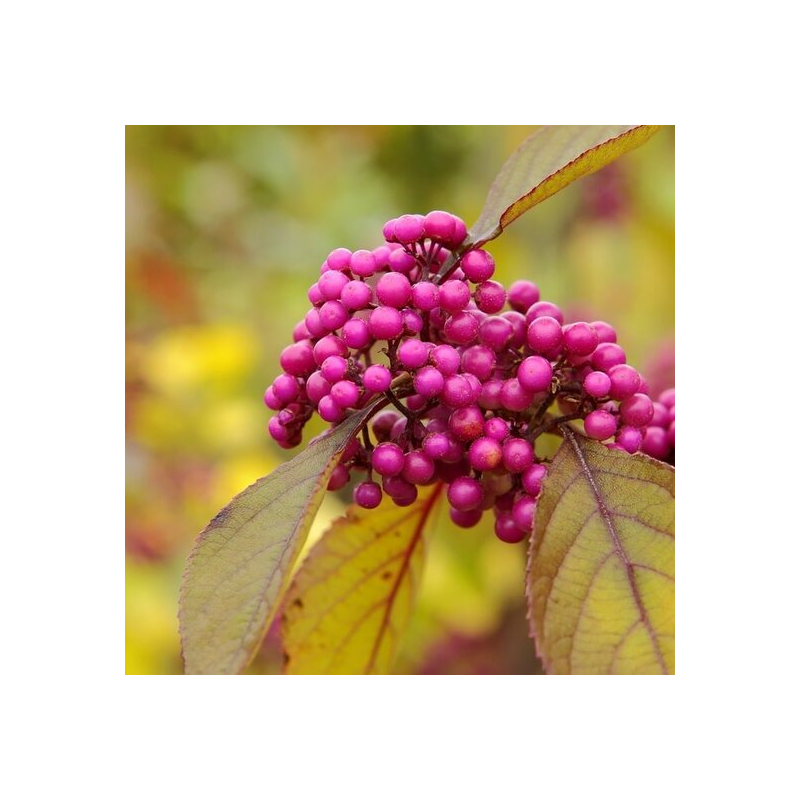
<point>241,564</point>
<point>548,160</point>
<point>601,568</point>
<point>352,598</point>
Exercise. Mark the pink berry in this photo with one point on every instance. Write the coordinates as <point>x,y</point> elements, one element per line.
<point>453,296</point>
<point>401,491</point>
<point>440,226</point>
<point>579,339</point>
<point>655,442</point>
<point>519,327</point>
<point>517,454</point>
<point>385,322</point>
<point>496,332</point>
<point>270,401</point>
<point>544,334</point>
<point>317,387</point>
<point>507,531</point>
<point>345,393</point>
<point>400,261</point>
<point>428,382</point>
<point>465,494</point>
<point>330,410</point>
<point>418,467</point>
<point>339,259</point>
<point>605,332</point>
<point>630,439</point>
<point>286,388</point>
<point>522,295</point>
<point>466,519</point>
<point>331,284</point>
<point>497,428</point>
<point>460,232</point>
<point>355,334</point>
<point>597,384</point>
<point>535,374</point>
<point>297,359</point>
<point>339,477</point>
<point>514,396</point>
<point>485,454</point>
<point>363,263</point>
<point>425,295</point>
<point>478,361</point>
<point>490,296</point>
<point>636,410</point>
<point>329,346</point>
<point>625,381</point>
<point>355,294</point>
<point>457,391</point>
<point>393,289</point>
<point>478,265</point>
<point>466,423</point>
<point>413,353</point>
<point>333,315</point>
<point>409,228</point>
<point>607,355</point>
<point>377,378</point>
<point>524,512</point>
<point>461,328</point>
<point>532,479</point>
<point>446,359</point>
<point>667,397</point>
<point>368,494</point>
<point>334,368</point>
<point>600,424</point>
<point>544,309</point>
<point>388,459</point>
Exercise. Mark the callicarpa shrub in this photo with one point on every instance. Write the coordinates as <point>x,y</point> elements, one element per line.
<point>437,384</point>
<point>467,370</point>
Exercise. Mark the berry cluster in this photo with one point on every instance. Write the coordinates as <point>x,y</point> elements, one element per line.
<point>471,386</point>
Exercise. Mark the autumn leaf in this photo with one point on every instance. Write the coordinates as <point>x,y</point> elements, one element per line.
<point>548,160</point>
<point>353,596</point>
<point>601,568</point>
<point>241,563</point>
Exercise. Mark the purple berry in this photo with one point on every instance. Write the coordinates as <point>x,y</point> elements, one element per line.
<point>522,295</point>
<point>355,334</point>
<point>412,322</point>
<point>597,384</point>
<point>333,368</point>
<point>385,322</point>
<point>478,361</point>
<point>437,445</point>
<point>461,328</point>
<point>440,226</point>
<point>490,296</point>
<point>339,478</point>
<point>579,339</point>
<point>453,296</point>
<point>388,230</point>
<point>466,423</point>
<point>636,410</point>
<point>534,374</point>
<point>345,393</point>
<point>514,396</point>
<point>317,386</point>
<point>466,519</point>
<point>329,346</point>
<point>496,332</point>
<point>517,454</point>
<point>298,359</point>
<point>465,494</point>
<point>524,512</point>
<point>485,454</point>
<point>300,332</point>
<point>544,309</point>
<point>314,293</point>
<point>667,397</point>
<point>532,479</point>
<point>660,415</point>
<point>330,410</point>
<point>377,378</point>
<point>446,359</point>
<point>393,289</point>
<point>382,424</point>
<point>607,355</point>
<point>428,382</point>
<point>409,228</point>
<point>331,284</point>
<point>355,294</point>
<point>270,401</point>
<point>401,262</point>
<point>497,428</point>
<point>630,439</point>
<point>600,424</point>
<point>425,295</point>
<point>457,391</point>
<point>507,531</point>
<point>413,353</point>
<point>605,333</point>
<point>388,459</point>
<point>333,315</point>
<point>460,232</point>
<point>364,264</point>
<point>418,467</point>
<point>339,259</point>
<point>625,381</point>
<point>478,265</point>
<point>655,442</point>
<point>544,334</point>
<point>368,494</point>
<point>286,388</point>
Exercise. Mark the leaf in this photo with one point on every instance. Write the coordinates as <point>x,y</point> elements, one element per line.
<point>352,598</point>
<point>240,565</point>
<point>548,160</point>
<point>601,568</point>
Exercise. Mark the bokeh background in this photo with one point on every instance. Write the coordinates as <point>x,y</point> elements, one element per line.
<point>225,230</point>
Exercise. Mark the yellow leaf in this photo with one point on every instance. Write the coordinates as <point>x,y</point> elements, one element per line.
<point>352,598</point>
<point>548,160</point>
<point>240,566</point>
<point>601,569</point>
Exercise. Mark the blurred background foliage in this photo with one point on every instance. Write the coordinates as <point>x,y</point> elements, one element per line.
<point>225,230</point>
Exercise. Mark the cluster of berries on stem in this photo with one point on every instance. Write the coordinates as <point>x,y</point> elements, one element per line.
<point>466,387</point>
